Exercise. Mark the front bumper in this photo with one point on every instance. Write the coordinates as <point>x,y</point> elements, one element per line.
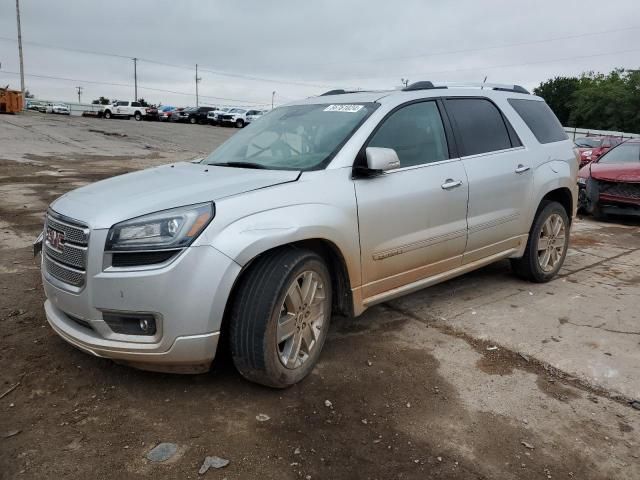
<point>187,297</point>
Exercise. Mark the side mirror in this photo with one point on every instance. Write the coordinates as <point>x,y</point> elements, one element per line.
<point>381,159</point>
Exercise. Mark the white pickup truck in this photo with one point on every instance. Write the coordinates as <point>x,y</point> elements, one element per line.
<point>124,109</point>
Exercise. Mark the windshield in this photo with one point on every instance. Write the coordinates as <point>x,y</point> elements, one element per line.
<point>298,137</point>
<point>625,153</point>
<point>587,142</point>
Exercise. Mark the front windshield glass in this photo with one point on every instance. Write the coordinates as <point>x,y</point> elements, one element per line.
<point>298,137</point>
<point>625,153</point>
<point>588,142</point>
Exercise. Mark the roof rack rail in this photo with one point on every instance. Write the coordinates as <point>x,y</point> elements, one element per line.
<point>339,91</point>
<point>422,85</point>
<point>427,85</point>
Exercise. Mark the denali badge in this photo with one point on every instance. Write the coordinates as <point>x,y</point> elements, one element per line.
<point>55,239</point>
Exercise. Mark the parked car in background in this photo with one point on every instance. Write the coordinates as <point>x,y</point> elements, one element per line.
<point>199,114</point>
<point>592,148</point>
<point>611,184</point>
<point>36,106</point>
<point>124,109</point>
<point>214,116</point>
<point>151,113</point>
<point>253,115</point>
<point>235,116</point>
<point>58,108</point>
<point>157,268</point>
<point>164,113</point>
<point>181,114</point>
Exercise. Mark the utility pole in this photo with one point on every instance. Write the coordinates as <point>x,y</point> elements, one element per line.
<point>197,81</point>
<point>273,95</point>
<point>79,93</point>
<point>20,52</point>
<point>135,78</point>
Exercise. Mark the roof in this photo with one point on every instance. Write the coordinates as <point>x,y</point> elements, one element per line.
<point>422,89</point>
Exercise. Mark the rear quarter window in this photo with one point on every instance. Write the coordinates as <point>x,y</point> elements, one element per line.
<point>540,119</point>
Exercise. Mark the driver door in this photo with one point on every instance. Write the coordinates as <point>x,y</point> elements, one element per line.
<point>412,220</point>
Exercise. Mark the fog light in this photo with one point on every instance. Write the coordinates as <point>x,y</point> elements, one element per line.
<point>144,325</point>
<point>130,323</point>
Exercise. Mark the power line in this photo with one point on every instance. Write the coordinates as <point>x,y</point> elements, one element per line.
<point>478,49</point>
<point>174,65</point>
<point>128,85</point>
<point>315,85</point>
<point>508,65</point>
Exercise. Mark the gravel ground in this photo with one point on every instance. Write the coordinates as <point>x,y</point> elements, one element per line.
<point>482,377</point>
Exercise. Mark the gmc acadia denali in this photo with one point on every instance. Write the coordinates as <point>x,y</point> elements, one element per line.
<point>331,204</point>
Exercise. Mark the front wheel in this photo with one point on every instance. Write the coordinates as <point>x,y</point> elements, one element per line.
<point>280,317</point>
<point>193,120</point>
<point>239,123</point>
<point>547,245</point>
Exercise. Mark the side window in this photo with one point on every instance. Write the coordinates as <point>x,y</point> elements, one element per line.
<point>416,133</point>
<point>135,104</point>
<point>540,119</point>
<point>480,125</point>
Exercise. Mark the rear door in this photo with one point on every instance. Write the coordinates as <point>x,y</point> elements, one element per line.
<point>500,176</point>
<point>412,219</point>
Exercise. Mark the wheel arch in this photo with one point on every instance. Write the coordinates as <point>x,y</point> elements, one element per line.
<point>563,196</point>
<point>335,261</point>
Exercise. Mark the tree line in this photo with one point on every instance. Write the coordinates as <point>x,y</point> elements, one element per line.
<point>596,100</point>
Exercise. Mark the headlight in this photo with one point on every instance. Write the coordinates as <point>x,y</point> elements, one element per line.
<point>175,228</point>
<point>587,153</point>
<point>582,181</point>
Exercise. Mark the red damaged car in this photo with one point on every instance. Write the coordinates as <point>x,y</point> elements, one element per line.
<point>611,184</point>
<point>592,148</point>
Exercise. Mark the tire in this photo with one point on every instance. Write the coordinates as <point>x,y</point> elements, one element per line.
<point>193,120</point>
<point>137,116</point>
<point>239,123</point>
<point>107,114</point>
<point>535,266</point>
<point>263,310</point>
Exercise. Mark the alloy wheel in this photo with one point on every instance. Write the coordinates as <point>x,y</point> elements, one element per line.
<point>551,243</point>
<point>302,318</point>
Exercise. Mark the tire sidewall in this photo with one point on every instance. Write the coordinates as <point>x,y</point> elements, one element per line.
<point>552,208</point>
<point>273,366</point>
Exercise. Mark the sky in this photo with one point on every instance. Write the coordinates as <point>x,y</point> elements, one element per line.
<point>248,49</point>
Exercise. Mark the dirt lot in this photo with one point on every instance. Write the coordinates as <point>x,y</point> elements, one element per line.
<point>416,387</point>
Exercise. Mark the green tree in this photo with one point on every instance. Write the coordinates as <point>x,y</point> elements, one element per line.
<point>558,93</point>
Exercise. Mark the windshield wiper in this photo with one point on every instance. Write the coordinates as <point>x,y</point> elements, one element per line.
<point>240,165</point>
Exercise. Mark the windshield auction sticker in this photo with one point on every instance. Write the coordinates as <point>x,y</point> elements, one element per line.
<point>343,108</point>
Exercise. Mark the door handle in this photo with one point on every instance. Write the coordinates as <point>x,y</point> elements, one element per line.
<point>521,169</point>
<point>449,184</point>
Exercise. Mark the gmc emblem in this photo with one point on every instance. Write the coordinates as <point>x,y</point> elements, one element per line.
<point>55,239</point>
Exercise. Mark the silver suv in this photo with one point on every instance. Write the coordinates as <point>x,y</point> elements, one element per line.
<point>328,205</point>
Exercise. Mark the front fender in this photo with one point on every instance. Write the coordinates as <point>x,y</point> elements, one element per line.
<point>248,237</point>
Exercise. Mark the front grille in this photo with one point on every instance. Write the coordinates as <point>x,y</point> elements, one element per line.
<point>620,189</point>
<point>67,260</point>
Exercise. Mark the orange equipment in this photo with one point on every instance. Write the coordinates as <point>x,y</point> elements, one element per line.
<point>10,100</point>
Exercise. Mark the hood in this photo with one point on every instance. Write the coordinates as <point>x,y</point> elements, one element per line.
<point>104,203</point>
<point>616,172</point>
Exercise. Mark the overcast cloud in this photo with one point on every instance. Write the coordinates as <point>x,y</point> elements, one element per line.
<point>315,45</point>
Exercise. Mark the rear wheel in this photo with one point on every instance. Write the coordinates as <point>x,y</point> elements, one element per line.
<point>547,245</point>
<point>280,317</point>
<point>137,116</point>
<point>107,114</point>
